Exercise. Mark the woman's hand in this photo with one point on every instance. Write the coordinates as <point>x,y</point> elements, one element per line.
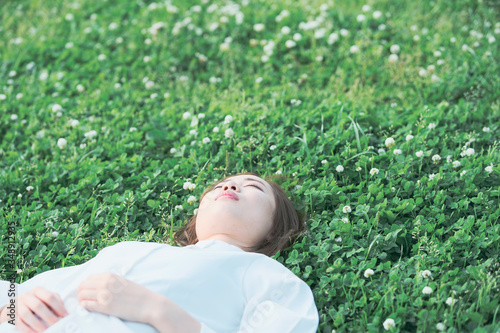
<point>36,310</point>
<point>114,295</point>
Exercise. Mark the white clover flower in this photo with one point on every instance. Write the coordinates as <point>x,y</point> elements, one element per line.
<point>216,129</point>
<point>456,164</point>
<point>146,59</point>
<point>354,49</point>
<point>431,68</point>
<point>186,115</point>
<point>101,57</point>
<point>366,8</point>
<point>397,152</point>
<point>12,73</point>
<point>436,158</point>
<point>2,97</point>
<point>381,151</point>
<point>113,26</point>
<point>297,36</point>
<point>118,85</point>
<point>285,30</point>
<point>427,290</point>
<point>360,18</point>
<point>345,220</point>
<point>469,152</point>
<point>486,129</point>
<point>416,38</point>
<point>346,209</point>
<point>333,38</point>
<point>395,48</point>
<point>409,137</point>
<point>19,195</point>
<point>191,199</point>
<point>358,169</point>
<point>228,119</point>
<point>449,158</point>
<point>432,126</point>
<point>389,323</point>
<point>179,207</point>
<point>279,172</point>
<point>224,47</point>
<point>258,80</point>
<point>435,78</point>
<point>74,122</point>
<point>69,17</point>
<point>173,150</point>
<point>377,14</point>
<point>83,145</point>
<point>393,58</point>
<point>30,188</point>
<point>450,301</point>
<point>437,54</point>
<point>228,133</point>
<point>339,168</point>
<point>55,234</point>
<point>19,96</point>
<point>80,88</point>
<point>489,169</point>
<point>90,134</point>
<point>344,32</point>
<point>259,27</point>
<point>369,272</point>
<point>320,33</point>
<point>290,43</point>
<point>422,72</point>
<point>193,132</point>
<point>264,58</point>
<point>374,171</point>
<point>61,143</point>
<point>389,142</point>
<point>463,173</point>
<point>150,84</point>
<point>338,239</point>
<point>133,129</point>
<point>440,326</point>
<point>13,117</point>
<point>206,140</point>
<point>431,176</point>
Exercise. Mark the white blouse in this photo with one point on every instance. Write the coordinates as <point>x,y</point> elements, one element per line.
<point>225,288</point>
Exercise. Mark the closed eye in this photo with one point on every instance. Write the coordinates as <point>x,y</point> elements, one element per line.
<point>248,185</point>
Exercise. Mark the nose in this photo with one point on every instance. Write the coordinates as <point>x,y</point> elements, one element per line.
<point>230,185</point>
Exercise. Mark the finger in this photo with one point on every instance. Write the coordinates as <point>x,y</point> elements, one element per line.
<point>42,310</point>
<point>92,306</point>
<point>101,296</point>
<point>22,327</point>
<point>53,300</point>
<point>27,318</point>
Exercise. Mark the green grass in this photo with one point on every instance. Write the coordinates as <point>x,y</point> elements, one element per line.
<point>415,214</point>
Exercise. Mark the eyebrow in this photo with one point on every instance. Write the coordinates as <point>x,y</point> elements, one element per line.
<point>255,180</point>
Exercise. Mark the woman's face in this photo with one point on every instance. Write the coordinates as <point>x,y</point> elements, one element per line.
<point>239,210</point>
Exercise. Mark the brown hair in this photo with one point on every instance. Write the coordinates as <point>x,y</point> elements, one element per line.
<point>288,222</point>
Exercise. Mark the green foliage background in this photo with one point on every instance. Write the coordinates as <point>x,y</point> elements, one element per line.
<point>301,113</point>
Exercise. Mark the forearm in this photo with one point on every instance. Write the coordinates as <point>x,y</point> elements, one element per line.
<point>168,317</point>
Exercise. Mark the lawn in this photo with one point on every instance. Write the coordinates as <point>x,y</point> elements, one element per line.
<point>378,118</point>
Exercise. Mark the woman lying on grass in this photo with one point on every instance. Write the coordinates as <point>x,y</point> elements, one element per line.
<point>221,280</point>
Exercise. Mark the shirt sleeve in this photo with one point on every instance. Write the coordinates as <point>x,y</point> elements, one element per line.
<point>277,300</point>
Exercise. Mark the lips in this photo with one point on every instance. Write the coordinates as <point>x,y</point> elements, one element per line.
<point>228,194</point>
